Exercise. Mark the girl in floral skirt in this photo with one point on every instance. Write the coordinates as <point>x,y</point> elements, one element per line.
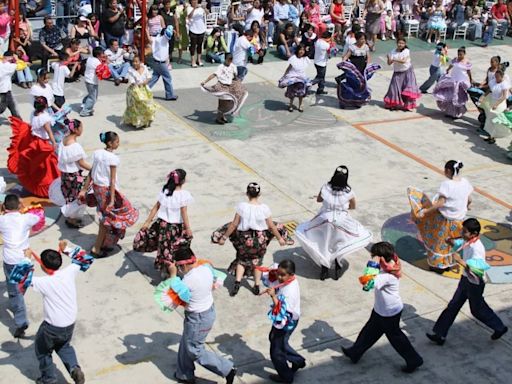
<point>251,231</point>
<point>115,211</point>
<point>172,224</point>
<point>71,163</point>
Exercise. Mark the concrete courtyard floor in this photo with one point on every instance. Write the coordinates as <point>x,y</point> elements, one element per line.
<point>122,337</point>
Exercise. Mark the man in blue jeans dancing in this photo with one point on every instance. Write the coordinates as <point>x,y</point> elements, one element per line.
<point>160,48</point>
<point>198,280</point>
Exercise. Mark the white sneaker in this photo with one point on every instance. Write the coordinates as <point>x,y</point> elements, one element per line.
<point>383,38</point>
<point>392,37</point>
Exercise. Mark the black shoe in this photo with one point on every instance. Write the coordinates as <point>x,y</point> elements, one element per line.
<point>439,340</point>
<point>337,270</point>
<point>322,92</point>
<point>235,290</point>
<point>411,368</point>
<point>324,274</point>
<point>230,378</point>
<point>20,332</point>
<point>77,375</point>
<point>184,381</point>
<point>277,379</point>
<point>172,98</point>
<point>497,334</point>
<point>256,290</point>
<point>296,367</point>
<point>349,355</point>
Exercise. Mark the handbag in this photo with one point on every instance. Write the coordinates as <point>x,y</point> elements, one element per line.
<point>146,240</point>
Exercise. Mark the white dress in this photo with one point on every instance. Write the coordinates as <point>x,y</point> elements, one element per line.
<point>332,233</point>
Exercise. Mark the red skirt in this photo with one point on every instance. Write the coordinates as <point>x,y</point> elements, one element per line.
<point>31,159</point>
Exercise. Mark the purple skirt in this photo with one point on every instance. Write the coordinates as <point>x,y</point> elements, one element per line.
<point>451,96</point>
<point>403,91</point>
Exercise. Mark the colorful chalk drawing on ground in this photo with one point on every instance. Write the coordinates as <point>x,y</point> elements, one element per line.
<point>496,237</point>
<point>51,211</point>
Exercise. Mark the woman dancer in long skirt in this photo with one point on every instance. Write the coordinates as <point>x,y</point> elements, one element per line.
<point>333,233</point>
<point>403,91</point>
<point>229,89</point>
<point>172,227</point>
<point>115,212</point>
<point>494,104</point>
<point>250,232</point>
<point>353,90</point>
<point>451,90</point>
<point>295,79</point>
<point>71,163</point>
<point>441,218</point>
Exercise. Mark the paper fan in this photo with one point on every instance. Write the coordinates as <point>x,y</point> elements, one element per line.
<point>171,293</point>
<point>55,193</point>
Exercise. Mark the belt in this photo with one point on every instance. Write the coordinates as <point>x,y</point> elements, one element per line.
<point>158,61</point>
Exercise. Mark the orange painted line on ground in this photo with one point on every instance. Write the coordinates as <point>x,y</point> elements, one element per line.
<point>366,131</point>
<point>375,122</point>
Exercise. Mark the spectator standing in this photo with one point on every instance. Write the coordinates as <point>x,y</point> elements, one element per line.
<point>197,28</point>
<point>116,62</point>
<point>155,22</point>
<point>170,17</point>
<point>160,49</point>
<point>50,38</point>
<point>114,19</point>
<point>83,31</point>
<point>5,30</point>
<point>254,13</point>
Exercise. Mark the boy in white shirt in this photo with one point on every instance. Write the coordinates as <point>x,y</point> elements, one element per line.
<point>322,46</point>
<point>285,293</point>
<point>91,82</point>
<point>471,290</point>
<point>7,70</point>
<point>60,73</point>
<point>387,311</point>
<point>60,309</point>
<point>15,230</point>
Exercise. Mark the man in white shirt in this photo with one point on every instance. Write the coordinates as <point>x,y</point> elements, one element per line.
<point>60,309</point>
<point>199,319</point>
<point>468,290</point>
<point>7,70</point>
<point>160,49</point>
<point>321,57</point>
<point>15,230</point>
<point>116,62</point>
<point>387,311</point>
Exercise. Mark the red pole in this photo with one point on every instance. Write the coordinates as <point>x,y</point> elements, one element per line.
<point>143,31</point>
<point>15,4</point>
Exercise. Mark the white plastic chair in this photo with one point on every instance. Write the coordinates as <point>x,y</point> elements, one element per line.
<point>211,21</point>
<point>411,26</point>
<point>461,31</point>
<point>442,34</point>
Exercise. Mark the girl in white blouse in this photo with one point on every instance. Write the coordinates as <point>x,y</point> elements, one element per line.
<point>116,213</point>
<point>71,162</point>
<point>172,225</point>
<point>41,122</point>
<point>251,231</point>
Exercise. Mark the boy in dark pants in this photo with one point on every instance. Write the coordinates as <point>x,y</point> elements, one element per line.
<point>321,57</point>
<point>387,310</point>
<point>285,313</point>
<point>471,287</point>
<point>60,309</point>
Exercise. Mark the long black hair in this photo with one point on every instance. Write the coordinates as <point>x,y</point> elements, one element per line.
<point>339,181</point>
<point>40,104</point>
<point>175,178</point>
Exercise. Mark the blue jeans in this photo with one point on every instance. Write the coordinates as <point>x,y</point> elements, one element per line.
<point>281,353</point>
<point>242,72</point>
<point>89,100</point>
<point>435,74</point>
<point>479,308</point>
<point>48,339</point>
<point>16,300</point>
<point>161,69</point>
<point>196,327</point>
<point>25,76</point>
<point>282,51</point>
<point>215,57</point>
<point>489,33</point>
<point>119,71</point>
